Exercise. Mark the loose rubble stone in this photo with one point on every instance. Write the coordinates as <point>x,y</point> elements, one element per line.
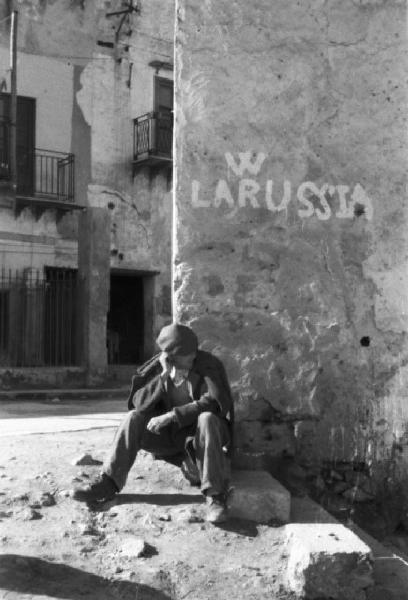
<point>86,459</point>
<point>31,515</point>
<point>47,499</point>
<point>133,547</point>
<point>195,518</point>
<point>20,497</point>
<point>88,529</point>
<point>188,515</point>
<point>258,497</point>
<point>327,561</point>
<point>165,517</point>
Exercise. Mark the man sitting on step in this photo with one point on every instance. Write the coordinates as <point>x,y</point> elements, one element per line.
<point>181,411</point>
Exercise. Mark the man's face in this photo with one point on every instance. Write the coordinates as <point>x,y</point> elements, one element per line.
<point>180,361</point>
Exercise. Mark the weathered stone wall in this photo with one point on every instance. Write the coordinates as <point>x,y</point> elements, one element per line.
<point>291,243</point>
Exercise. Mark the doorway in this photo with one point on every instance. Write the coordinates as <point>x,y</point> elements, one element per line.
<point>128,323</point>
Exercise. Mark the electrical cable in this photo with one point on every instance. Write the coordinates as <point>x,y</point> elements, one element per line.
<point>5,19</point>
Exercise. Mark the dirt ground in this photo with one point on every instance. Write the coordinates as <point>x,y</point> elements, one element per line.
<point>65,550</point>
<point>151,543</point>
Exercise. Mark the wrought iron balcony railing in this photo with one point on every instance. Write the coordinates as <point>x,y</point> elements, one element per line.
<point>54,175</point>
<point>42,174</point>
<point>153,138</point>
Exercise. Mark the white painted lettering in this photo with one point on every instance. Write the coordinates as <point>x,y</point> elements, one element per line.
<point>344,211</point>
<point>245,163</point>
<point>314,200</point>
<point>195,200</point>
<point>303,199</point>
<point>223,194</point>
<point>287,191</point>
<point>361,202</point>
<point>324,214</point>
<point>248,188</point>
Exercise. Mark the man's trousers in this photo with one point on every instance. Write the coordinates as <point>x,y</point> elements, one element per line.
<point>208,436</point>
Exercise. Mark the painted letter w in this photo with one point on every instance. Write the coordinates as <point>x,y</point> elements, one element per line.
<point>245,163</point>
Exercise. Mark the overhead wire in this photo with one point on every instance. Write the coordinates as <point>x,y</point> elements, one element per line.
<point>5,19</point>
<point>121,43</point>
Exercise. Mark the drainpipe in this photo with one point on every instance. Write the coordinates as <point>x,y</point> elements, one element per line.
<point>13,102</point>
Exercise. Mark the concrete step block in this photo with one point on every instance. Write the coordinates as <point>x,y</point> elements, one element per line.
<point>258,497</point>
<point>327,560</point>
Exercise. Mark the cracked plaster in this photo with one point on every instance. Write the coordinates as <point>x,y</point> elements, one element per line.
<point>316,87</point>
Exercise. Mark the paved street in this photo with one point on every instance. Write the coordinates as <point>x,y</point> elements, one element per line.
<point>50,417</point>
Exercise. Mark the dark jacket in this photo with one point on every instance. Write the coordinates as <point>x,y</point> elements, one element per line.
<point>211,390</point>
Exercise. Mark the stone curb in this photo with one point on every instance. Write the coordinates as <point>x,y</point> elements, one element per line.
<point>327,560</point>
<point>258,497</point>
<point>64,394</point>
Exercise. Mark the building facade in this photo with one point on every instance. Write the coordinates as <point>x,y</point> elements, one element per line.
<point>85,238</point>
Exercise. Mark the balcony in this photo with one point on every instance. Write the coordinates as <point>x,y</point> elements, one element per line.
<point>45,178</point>
<point>48,181</point>
<point>152,140</point>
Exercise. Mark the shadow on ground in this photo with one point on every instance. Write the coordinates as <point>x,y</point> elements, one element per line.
<point>159,499</point>
<point>30,575</point>
<point>239,526</point>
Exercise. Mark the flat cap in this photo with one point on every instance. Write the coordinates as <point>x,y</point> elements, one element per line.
<point>177,339</point>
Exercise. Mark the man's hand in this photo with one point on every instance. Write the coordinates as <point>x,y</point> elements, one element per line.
<point>156,423</point>
<point>165,363</point>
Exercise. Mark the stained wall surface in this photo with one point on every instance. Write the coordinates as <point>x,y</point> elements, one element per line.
<point>89,83</point>
<point>291,223</point>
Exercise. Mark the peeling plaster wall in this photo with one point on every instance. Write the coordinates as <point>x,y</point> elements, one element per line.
<point>24,240</point>
<point>54,39</point>
<point>44,24</point>
<point>152,41</point>
<point>111,95</point>
<point>96,92</point>
<point>291,245</point>
<point>50,82</point>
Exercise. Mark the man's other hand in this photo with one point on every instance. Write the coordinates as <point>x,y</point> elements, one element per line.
<point>156,423</point>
